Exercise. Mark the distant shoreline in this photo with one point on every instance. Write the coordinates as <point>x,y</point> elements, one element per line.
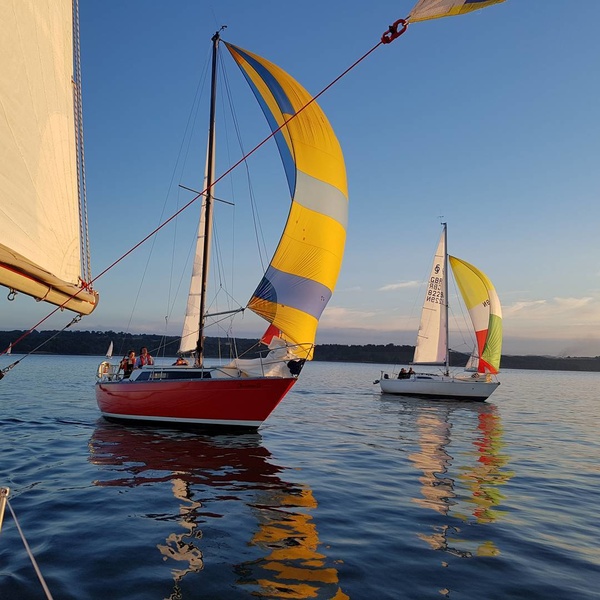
<point>95,343</point>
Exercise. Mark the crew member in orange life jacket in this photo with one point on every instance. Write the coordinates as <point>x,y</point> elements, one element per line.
<point>143,359</point>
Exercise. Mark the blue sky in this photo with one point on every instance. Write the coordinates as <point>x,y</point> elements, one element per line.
<point>490,120</point>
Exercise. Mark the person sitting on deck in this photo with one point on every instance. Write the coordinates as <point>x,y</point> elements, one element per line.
<point>410,372</point>
<point>403,374</point>
<point>128,364</point>
<point>180,362</point>
<point>144,358</point>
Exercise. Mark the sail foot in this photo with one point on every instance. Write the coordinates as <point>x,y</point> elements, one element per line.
<point>281,361</point>
<point>25,277</point>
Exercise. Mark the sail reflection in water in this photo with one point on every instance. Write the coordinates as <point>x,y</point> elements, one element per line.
<point>460,482</point>
<point>206,474</point>
<point>293,567</point>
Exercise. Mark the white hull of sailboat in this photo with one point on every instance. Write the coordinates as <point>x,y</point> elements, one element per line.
<point>440,386</point>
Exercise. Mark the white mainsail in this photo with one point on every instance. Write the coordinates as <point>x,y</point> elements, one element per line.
<point>189,334</point>
<point>473,362</point>
<point>432,337</point>
<point>40,232</point>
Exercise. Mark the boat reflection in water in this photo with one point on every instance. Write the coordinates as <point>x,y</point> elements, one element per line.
<point>463,466</point>
<point>285,558</point>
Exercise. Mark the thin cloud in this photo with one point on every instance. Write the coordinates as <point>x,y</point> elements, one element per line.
<point>398,286</point>
<point>559,318</point>
<point>336,316</point>
<point>556,307</point>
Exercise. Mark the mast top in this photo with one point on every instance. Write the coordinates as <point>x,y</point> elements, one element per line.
<point>217,35</point>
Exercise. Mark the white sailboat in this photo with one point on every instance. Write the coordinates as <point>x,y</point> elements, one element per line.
<point>479,295</point>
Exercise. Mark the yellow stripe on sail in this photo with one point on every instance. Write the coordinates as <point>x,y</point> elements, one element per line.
<point>315,147</point>
<point>473,284</point>
<point>425,10</point>
<point>287,318</point>
<point>301,252</point>
<point>484,308</point>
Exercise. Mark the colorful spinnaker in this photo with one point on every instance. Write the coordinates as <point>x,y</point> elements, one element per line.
<point>484,308</point>
<point>435,9</point>
<point>304,269</point>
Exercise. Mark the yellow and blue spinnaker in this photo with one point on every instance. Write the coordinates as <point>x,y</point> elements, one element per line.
<point>304,269</point>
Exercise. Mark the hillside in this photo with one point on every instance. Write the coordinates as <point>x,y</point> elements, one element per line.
<point>95,343</point>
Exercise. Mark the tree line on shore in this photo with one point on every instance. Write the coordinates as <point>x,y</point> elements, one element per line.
<point>96,343</point>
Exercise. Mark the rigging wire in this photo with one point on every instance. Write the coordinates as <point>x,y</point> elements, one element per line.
<point>260,238</point>
<point>390,35</point>
<point>181,162</point>
<point>86,261</point>
<point>5,501</point>
<point>75,319</point>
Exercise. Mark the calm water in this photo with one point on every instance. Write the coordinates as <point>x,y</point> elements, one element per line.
<point>343,493</point>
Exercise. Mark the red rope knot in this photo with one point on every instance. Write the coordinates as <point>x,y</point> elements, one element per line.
<point>393,33</point>
<point>85,285</point>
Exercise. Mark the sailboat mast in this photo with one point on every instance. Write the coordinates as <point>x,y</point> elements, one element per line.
<point>447,358</point>
<point>208,200</point>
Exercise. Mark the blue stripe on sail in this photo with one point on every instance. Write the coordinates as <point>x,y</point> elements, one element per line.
<point>289,164</point>
<point>303,294</point>
<point>284,104</point>
<point>278,92</point>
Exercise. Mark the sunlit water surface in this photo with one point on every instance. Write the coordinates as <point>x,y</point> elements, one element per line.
<point>343,493</point>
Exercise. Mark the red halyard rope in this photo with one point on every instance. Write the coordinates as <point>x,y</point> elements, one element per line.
<point>389,36</point>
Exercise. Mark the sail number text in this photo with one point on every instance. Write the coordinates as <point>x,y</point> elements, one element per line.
<point>435,290</point>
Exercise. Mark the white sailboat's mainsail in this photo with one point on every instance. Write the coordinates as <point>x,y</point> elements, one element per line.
<point>432,338</point>
<point>473,362</point>
<point>189,334</point>
<point>40,233</point>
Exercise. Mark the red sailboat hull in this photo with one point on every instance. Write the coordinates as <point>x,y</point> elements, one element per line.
<point>238,402</point>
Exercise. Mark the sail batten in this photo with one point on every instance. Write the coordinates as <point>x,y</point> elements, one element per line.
<point>304,269</point>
